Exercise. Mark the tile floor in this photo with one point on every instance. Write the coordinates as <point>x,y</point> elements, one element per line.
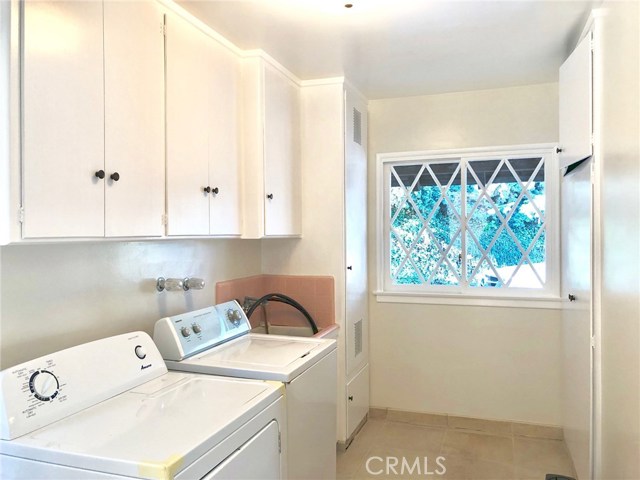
<point>469,454</point>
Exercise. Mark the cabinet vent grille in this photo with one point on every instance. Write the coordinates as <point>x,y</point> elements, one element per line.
<point>357,337</point>
<point>357,126</point>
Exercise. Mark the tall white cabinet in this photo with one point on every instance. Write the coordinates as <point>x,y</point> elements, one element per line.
<point>93,119</point>
<point>334,145</point>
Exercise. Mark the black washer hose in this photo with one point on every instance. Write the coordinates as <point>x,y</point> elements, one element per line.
<point>279,297</point>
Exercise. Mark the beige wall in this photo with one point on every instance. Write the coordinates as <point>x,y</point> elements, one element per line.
<point>501,363</point>
<point>56,296</point>
<point>620,127</point>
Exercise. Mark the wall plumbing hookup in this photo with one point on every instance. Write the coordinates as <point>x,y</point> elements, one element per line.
<point>179,284</point>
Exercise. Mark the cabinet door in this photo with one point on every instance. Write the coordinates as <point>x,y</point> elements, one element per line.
<point>188,126</point>
<point>224,151</point>
<point>63,119</point>
<point>575,92</point>
<point>357,326</point>
<point>134,118</point>
<point>282,154</point>
<point>357,399</point>
<point>577,316</point>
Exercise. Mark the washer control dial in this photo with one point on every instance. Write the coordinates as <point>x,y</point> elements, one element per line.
<point>234,316</point>
<point>196,328</point>
<point>44,385</point>
<point>186,332</point>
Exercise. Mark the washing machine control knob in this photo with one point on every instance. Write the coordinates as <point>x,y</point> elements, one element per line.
<point>234,316</point>
<point>44,385</point>
<point>185,331</point>
<point>196,328</point>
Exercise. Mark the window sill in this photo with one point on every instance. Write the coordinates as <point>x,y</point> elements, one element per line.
<point>549,303</point>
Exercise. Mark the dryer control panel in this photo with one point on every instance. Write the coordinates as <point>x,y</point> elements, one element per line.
<point>42,391</point>
<point>187,334</point>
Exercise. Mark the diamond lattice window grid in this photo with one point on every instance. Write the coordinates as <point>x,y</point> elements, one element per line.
<point>468,222</point>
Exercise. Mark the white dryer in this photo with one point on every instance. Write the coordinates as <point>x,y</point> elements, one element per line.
<point>109,409</point>
<point>216,341</point>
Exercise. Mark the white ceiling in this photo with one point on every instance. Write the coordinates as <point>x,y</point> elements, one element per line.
<point>396,48</point>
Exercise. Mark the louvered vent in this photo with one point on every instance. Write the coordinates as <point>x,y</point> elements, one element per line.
<point>357,126</point>
<point>357,327</point>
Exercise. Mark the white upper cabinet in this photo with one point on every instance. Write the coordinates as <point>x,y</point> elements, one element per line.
<point>576,104</point>
<point>63,120</point>
<point>134,119</point>
<point>203,77</point>
<point>271,109</point>
<point>93,155</point>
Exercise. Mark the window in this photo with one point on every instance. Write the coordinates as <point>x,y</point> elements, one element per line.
<point>477,222</point>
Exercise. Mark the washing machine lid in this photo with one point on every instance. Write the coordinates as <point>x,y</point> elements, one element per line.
<point>152,431</point>
<point>259,356</point>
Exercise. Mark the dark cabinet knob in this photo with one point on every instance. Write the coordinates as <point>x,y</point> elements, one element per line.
<point>207,189</point>
<point>215,190</point>
<point>270,196</point>
<point>115,176</point>
<point>572,297</point>
<point>351,398</point>
<point>100,174</point>
<point>349,267</point>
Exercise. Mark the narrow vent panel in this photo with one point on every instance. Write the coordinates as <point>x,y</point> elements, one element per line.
<point>357,337</point>
<point>357,126</point>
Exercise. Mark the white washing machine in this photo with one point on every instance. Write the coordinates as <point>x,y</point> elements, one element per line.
<point>110,410</point>
<point>216,341</point>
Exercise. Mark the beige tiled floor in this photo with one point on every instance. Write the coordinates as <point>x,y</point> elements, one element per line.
<point>468,454</point>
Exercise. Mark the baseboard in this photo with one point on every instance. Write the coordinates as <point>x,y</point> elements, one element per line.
<point>485,425</point>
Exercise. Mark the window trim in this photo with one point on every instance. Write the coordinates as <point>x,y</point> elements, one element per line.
<point>547,297</point>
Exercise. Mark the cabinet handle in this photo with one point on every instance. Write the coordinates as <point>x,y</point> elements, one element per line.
<point>349,267</point>
<point>270,196</point>
<point>207,189</point>
<point>351,398</point>
<point>215,190</point>
<point>572,297</point>
<point>100,174</point>
<point>115,176</point>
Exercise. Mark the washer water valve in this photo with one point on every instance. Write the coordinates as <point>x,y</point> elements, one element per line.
<point>193,284</point>
<point>179,284</point>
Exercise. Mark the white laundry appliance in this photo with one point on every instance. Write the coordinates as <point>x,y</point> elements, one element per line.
<point>109,409</point>
<point>217,341</point>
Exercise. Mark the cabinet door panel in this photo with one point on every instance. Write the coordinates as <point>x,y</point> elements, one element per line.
<point>134,118</point>
<point>575,91</point>
<point>357,325</point>
<point>282,154</point>
<point>63,134</point>
<point>224,160</point>
<point>188,124</point>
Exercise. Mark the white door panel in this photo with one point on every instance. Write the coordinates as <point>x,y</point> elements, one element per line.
<point>575,87</point>
<point>577,315</point>
<point>188,124</point>
<point>355,232</point>
<point>224,151</point>
<point>63,114</point>
<point>282,154</point>
<point>134,118</point>
<point>257,459</point>
<point>357,399</point>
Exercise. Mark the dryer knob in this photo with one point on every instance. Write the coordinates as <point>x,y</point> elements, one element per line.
<point>44,385</point>
<point>185,331</point>
<point>196,328</point>
<point>140,352</point>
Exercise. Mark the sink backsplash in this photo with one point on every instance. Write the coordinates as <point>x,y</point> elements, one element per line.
<point>314,293</point>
